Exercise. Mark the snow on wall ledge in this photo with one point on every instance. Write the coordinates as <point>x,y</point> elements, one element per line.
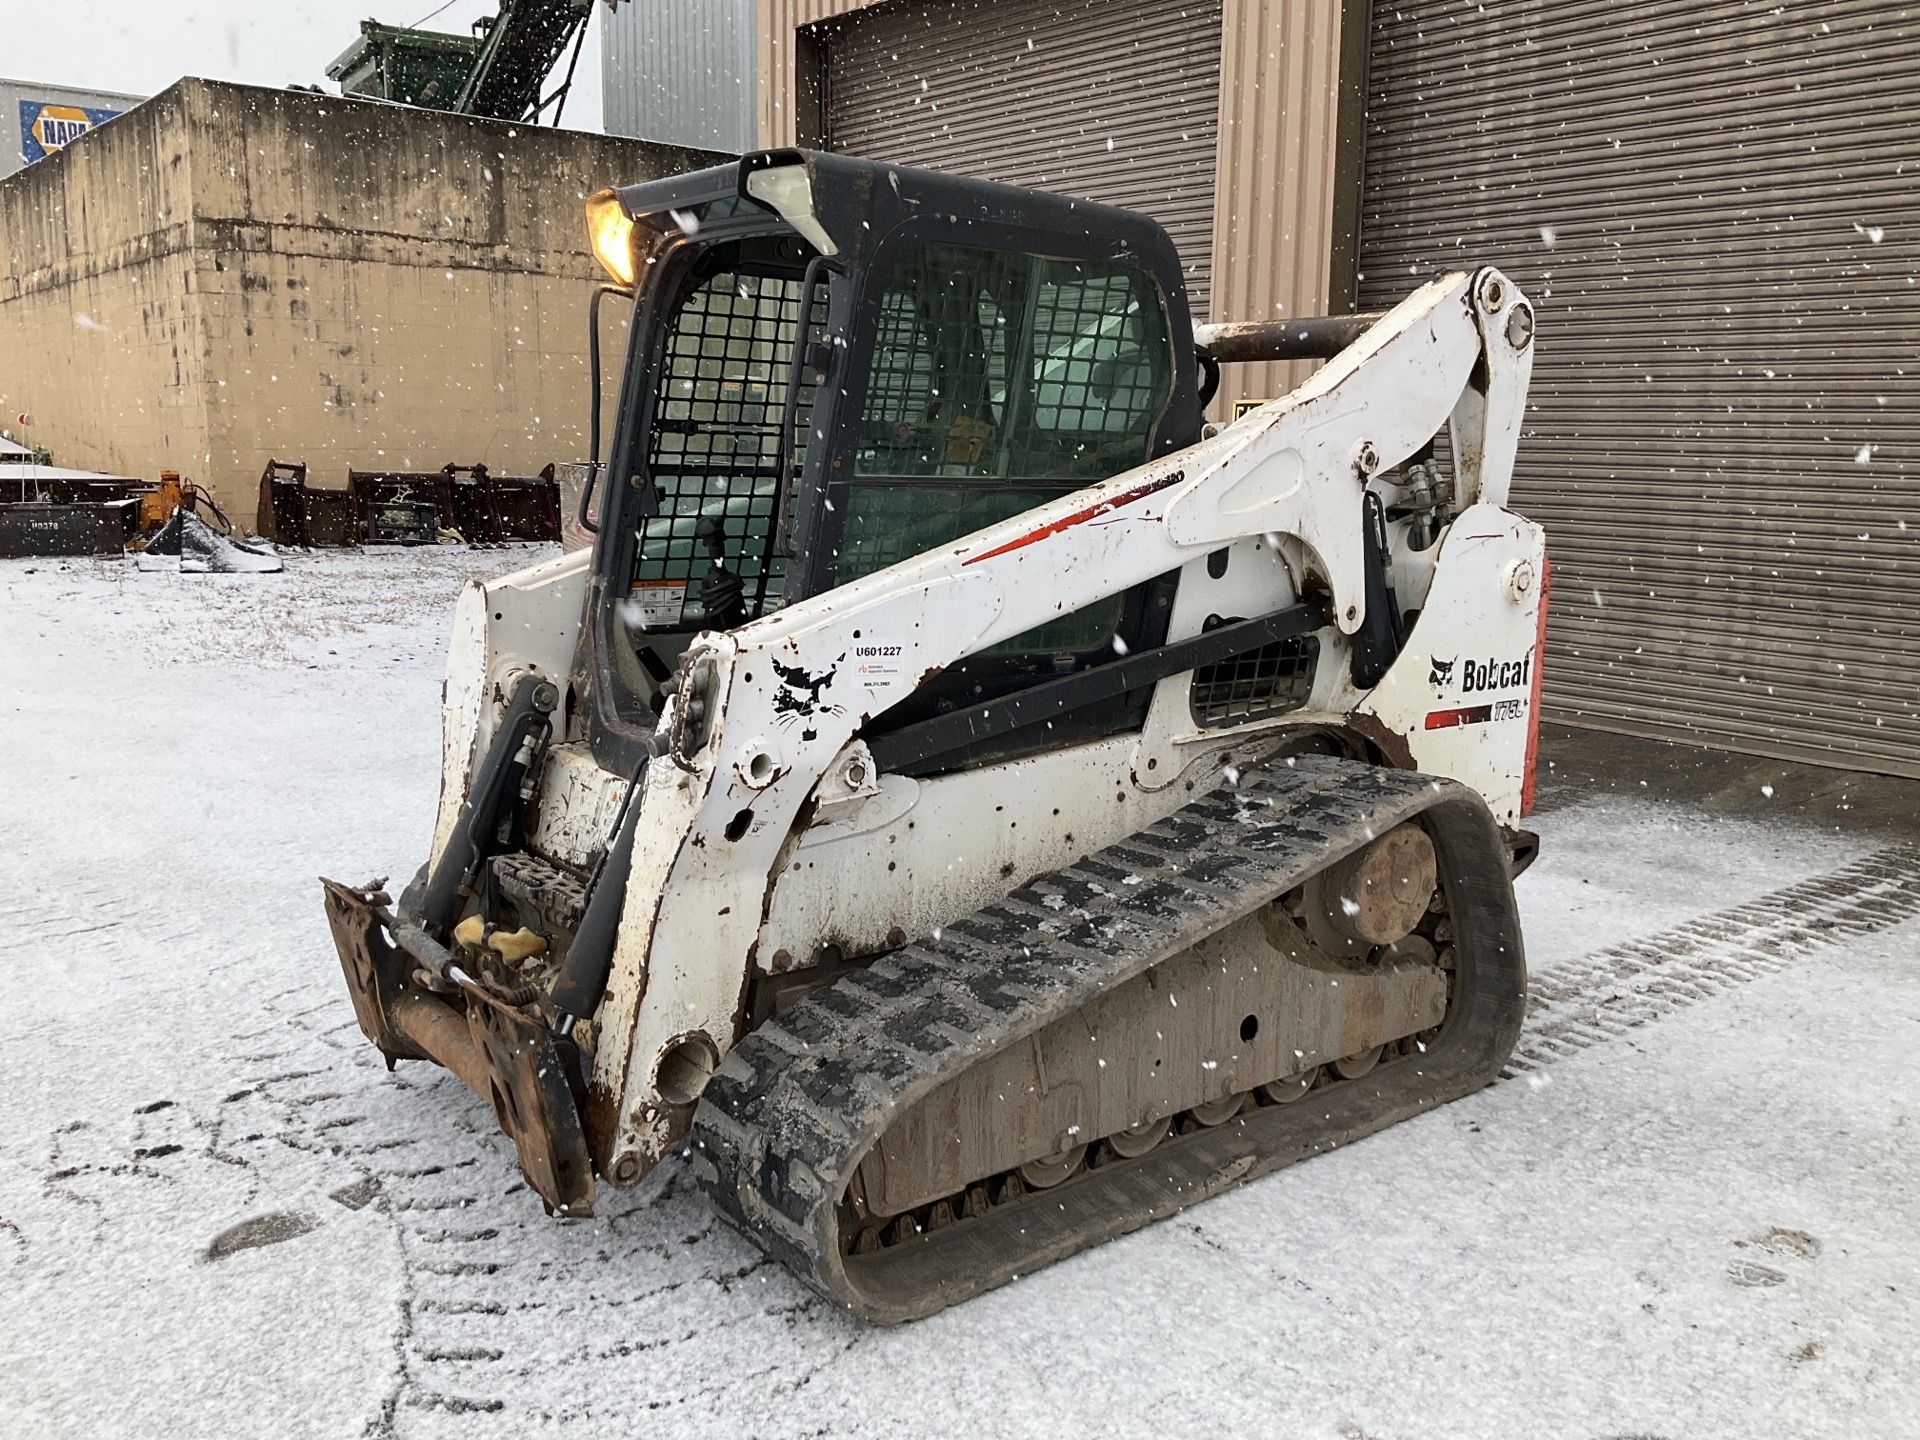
<point>231,273</point>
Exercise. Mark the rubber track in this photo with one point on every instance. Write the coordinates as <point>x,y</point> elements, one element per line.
<point>789,1115</point>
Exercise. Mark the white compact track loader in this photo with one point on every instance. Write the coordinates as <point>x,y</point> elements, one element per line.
<point>967,804</point>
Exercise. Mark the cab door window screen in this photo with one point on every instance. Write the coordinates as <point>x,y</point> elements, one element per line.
<point>713,449</point>
<point>1000,381</point>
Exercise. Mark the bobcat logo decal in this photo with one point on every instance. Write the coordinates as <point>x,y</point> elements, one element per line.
<point>798,698</point>
<point>1441,674</point>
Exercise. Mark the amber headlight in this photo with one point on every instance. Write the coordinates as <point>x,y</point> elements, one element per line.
<point>611,234</point>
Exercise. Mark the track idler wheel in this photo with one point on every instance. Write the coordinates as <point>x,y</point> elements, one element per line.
<point>1137,1140</point>
<point>1377,895</point>
<point>1218,1112</point>
<point>1054,1169</point>
<point>1352,1067</point>
<point>1293,1088</point>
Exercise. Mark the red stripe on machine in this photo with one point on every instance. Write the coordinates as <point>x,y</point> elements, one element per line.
<point>1092,512</point>
<point>1469,715</point>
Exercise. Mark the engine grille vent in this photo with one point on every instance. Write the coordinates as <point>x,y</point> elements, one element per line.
<point>1260,684</point>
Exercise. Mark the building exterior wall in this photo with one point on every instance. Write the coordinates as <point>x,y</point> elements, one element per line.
<point>99,341</point>
<point>681,74</point>
<point>1280,165</point>
<point>230,274</point>
<point>23,103</point>
<point>1115,101</point>
<point>1279,176</point>
<point>781,92</point>
<point>1711,213</point>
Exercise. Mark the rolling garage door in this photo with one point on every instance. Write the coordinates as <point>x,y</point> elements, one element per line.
<point>1713,205</point>
<point>1110,101</point>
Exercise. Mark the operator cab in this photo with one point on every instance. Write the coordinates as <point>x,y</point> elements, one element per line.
<point>837,364</point>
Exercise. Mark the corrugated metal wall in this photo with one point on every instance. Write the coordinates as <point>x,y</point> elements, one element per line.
<point>1274,164</point>
<point>1113,100</point>
<point>1714,205</point>
<point>780,24</point>
<point>681,73</point>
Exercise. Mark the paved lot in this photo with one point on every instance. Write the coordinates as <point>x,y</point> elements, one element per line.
<point>1689,1212</point>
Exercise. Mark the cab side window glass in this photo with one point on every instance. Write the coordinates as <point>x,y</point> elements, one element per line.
<point>1000,381</point>
<point>994,365</point>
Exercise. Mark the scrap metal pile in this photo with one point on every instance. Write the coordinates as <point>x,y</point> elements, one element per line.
<point>400,507</point>
<point>187,545</point>
<point>48,510</point>
<point>57,513</point>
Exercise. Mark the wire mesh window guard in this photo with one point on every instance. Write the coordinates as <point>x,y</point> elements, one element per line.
<point>715,448</point>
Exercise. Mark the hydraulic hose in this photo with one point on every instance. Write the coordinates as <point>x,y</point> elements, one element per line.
<point>496,785</point>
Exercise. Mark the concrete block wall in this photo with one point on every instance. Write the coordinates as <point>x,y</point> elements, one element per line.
<point>231,272</point>
<point>98,334</point>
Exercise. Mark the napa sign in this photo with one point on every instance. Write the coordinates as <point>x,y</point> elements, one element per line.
<point>46,127</point>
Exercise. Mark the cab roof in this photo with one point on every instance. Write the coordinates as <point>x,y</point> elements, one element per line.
<point>846,190</point>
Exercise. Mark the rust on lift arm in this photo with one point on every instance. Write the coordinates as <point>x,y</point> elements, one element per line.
<point>1311,337</point>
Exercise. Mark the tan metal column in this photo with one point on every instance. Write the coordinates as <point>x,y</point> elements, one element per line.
<point>777,51</point>
<point>1275,198</point>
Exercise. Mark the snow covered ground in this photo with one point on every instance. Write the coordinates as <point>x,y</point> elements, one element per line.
<point>1691,1213</point>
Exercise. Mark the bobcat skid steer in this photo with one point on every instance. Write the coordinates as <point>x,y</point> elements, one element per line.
<point>967,804</point>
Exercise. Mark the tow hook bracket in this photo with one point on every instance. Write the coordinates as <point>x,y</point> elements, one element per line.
<point>506,1054</point>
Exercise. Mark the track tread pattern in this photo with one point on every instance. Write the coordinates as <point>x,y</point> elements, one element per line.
<point>1611,992</point>
<point>789,1114</point>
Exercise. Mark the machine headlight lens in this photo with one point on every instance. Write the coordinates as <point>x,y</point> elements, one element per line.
<point>611,234</point>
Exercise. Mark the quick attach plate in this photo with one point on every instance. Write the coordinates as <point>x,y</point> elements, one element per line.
<point>505,1053</point>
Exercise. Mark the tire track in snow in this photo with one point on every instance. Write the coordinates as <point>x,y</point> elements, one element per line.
<point>1602,996</point>
<point>419,1158</point>
<point>499,1310</point>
